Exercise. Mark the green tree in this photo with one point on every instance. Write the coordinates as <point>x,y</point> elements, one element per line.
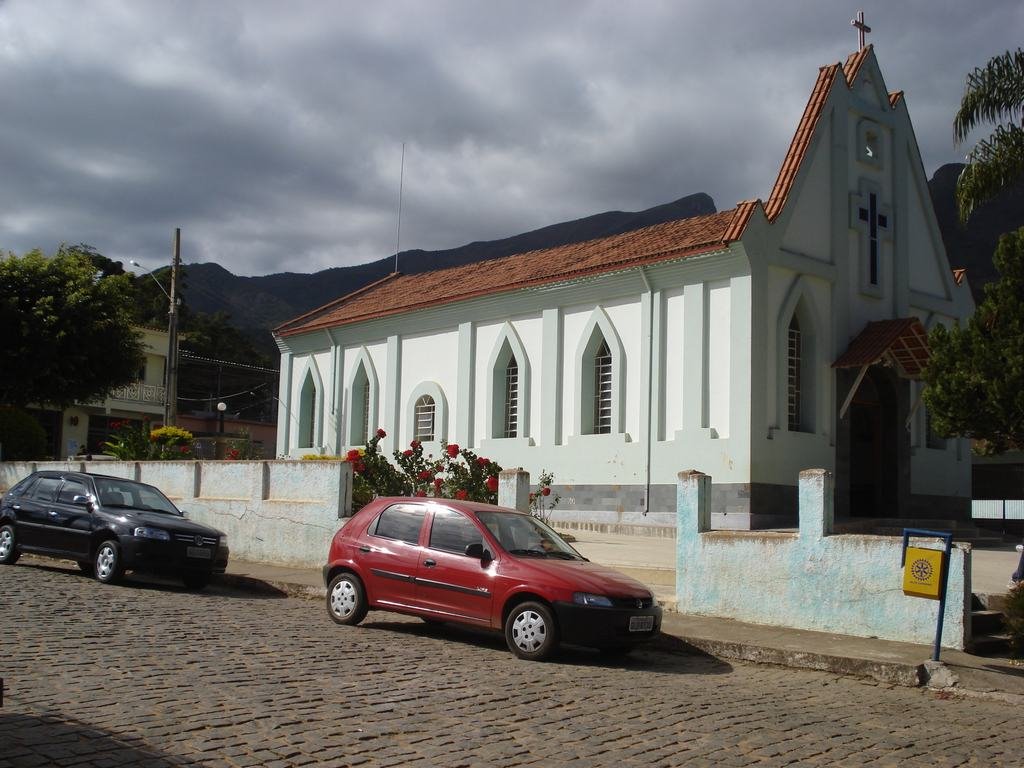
<point>975,375</point>
<point>993,94</point>
<point>67,330</point>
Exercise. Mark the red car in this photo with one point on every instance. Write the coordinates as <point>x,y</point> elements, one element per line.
<point>484,566</point>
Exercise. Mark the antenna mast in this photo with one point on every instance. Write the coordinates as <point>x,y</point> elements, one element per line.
<point>401,184</point>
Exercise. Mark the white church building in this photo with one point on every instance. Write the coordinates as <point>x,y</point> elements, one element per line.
<point>783,334</point>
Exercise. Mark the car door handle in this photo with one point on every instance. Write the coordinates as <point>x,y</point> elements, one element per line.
<point>429,563</point>
<point>365,549</point>
<point>53,513</point>
<point>15,506</point>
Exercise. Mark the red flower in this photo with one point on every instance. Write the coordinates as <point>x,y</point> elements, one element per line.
<point>424,474</point>
<point>352,455</point>
<point>482,461</point>
<point>437,483</point>
<point>453,450</point>
<point>359,466</point>
<point>407,452</point>
<point>462,493</point>
<point>421,494</point>
<point>184,449</point>
<point>415,444</point>
<point>381,433</point>
<point>545,491</point>
<point>492,483</point>
<point>532,497</point>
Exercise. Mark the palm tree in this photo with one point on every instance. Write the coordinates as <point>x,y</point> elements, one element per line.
<point>993,94</point>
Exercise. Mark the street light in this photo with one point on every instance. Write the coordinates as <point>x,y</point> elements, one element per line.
<point>221,407</point>
<point>171,374</point>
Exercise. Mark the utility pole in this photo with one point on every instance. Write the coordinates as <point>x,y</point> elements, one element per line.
<point>171,406</point>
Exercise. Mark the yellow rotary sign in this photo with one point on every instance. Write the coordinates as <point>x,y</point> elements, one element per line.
<point>922,570</point>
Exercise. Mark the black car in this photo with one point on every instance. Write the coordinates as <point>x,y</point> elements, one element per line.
<point>108,525</point>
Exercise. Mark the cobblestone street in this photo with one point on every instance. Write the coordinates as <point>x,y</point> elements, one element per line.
<point>148,674</point>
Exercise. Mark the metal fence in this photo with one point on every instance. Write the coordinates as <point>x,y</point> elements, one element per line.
<point>997,509</point>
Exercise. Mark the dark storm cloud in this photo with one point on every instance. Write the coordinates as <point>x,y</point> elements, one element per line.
<point>272,133</point>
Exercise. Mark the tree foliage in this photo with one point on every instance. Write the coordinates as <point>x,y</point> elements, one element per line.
<point>976,373</point>
<point>68,334</point>
<point>993,94</point>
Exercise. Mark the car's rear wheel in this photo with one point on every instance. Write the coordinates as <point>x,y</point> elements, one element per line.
<point>531,632</point>
<point>9,553</point>
<point>108,562</point>
<point>346,599</point>
<point>194,580</point>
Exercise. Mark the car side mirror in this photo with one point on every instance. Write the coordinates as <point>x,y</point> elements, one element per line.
<point>477,550</point>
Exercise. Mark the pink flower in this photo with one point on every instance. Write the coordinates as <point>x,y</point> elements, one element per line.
<point>462,493</point>
<point>492,483</point>
<point>381,433</point>
<point>545,491</point>
<point>453,450</point>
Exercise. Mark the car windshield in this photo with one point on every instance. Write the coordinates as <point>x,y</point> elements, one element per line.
<point>526,536</point>
<point>115,493</point>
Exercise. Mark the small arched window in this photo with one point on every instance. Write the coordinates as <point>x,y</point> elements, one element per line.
<point>603,390</point>
<point>794,391</point>
<point>511,419</point>
<point>424,419</point>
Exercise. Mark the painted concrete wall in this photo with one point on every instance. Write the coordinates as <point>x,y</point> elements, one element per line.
<point>811,580</point>
<point>279,512</point>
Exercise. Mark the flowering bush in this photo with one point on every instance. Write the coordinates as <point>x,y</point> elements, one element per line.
<point>542,503</point>
<point>457,473</point>
<point>135,441</point>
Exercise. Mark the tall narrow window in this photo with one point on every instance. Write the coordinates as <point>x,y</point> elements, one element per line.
<point>603,390</point>
<point>511,398</point>
<point>424,415</point>
<point>794,360</point>
<point>366,410</point>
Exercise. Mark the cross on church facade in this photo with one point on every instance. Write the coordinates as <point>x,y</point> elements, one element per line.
<point>862,28</point>
<point>875,218</point>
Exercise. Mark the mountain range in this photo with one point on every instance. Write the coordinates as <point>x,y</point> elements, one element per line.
<point>257,304</point>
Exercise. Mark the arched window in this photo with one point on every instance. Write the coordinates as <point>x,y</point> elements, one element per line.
<point>511,410</point>
<point>307,413</point>
<point>794,364</point>
<point>359,428</point>
<point>602,390</point>
<point>424,419</point>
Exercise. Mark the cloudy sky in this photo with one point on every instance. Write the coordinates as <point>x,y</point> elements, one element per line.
<point>272,132</point>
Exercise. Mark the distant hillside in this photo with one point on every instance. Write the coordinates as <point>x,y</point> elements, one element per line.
<point>257,304</point>
<point>972,247</point>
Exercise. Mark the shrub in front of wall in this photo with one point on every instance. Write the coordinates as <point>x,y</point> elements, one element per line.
<point>21,437</point>
<point>1013,616</point>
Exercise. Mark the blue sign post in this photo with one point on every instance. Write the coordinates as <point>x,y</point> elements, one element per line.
<point>947,539</point>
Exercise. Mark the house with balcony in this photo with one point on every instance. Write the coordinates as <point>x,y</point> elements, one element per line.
<point>87,426</point>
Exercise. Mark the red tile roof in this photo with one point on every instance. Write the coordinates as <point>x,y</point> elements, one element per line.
<point>904,340</point>
<point>398,293</point>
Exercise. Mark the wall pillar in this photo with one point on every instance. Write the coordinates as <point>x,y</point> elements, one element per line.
<point>817,512</point>
<point>514,489</point>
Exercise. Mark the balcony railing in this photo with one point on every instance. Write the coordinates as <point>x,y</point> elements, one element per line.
<point>138,392</point>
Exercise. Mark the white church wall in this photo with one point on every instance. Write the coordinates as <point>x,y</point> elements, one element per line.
<point>529,331</point>
<point>719,357</point>
<point>625,316</point>
<point>429,359</point>
<point>807,220</point>
<point>675,332</point>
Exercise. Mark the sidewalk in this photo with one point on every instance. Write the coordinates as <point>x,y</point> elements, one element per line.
<point>886,661</point>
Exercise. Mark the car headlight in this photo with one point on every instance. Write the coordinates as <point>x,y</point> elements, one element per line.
<point>152,533</point>
<point>584,598</point>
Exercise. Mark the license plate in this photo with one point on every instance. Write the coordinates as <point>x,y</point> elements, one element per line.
<point>641,623</point>
<point>203,554</point>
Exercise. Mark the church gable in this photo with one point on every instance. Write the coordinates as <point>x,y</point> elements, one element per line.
<point>928,270</point>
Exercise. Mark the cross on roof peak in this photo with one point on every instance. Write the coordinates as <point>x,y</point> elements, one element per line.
<point>862,29</point>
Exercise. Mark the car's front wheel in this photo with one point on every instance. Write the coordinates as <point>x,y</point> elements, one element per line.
<point>531,632</point>
<point>9,553</point>
<point>346,599</point>
<point>107,563</point>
